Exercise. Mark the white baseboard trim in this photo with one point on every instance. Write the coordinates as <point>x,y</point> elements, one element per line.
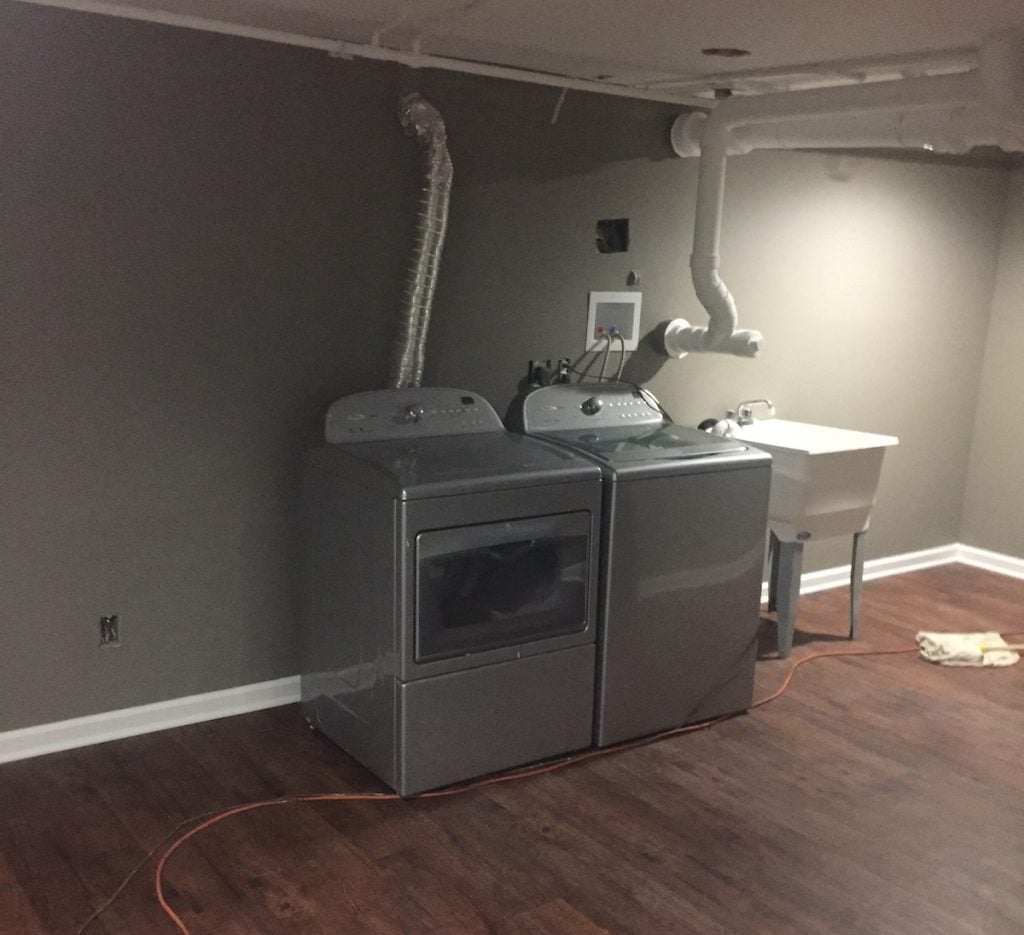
<point>910,561</point>
<point>143,719</point>
<point>991,561</point>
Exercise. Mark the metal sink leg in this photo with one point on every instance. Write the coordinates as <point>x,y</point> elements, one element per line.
<point>856,579</point>
<point>785,565</point>
<point>773,572</point>
<point>787,562</point>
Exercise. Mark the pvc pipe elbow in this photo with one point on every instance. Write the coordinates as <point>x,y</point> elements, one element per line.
<point>714,296</point>
<point>687,131</point>
<point>681,338</point>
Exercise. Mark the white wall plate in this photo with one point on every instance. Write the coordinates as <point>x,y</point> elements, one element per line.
<point>613,310</point>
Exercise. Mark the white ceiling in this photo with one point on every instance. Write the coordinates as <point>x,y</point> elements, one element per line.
<point>624,41</point>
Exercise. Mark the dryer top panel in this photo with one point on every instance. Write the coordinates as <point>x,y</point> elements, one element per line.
<point>416,412</point>
<point>442,466</point>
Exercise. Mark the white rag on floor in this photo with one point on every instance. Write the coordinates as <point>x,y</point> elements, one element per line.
<point>965,649</point>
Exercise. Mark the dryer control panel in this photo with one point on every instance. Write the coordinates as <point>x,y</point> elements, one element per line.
<point>567,406</point>
<point>417,412</point>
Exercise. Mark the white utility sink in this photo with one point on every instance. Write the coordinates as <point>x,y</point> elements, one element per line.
<point>824,479</point>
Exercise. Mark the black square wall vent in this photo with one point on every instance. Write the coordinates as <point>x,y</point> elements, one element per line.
<point>613,235</point>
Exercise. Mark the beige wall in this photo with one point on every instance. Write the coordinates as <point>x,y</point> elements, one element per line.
<point>994,502</point>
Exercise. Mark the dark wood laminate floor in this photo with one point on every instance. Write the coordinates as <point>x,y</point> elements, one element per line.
<point>880,795</point>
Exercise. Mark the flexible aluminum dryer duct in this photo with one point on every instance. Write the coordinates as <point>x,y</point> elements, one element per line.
<point>422,120</point>
<point>951,113</point>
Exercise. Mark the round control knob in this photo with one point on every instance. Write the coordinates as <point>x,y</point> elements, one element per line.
<point>591,406</point>
<point>413,413</point>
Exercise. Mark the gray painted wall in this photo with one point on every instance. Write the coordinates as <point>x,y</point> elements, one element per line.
<point>994,503</point>
<point>204,244</point>
<point>870,279</point>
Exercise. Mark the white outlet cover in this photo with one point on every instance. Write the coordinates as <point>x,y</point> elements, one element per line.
<point>618,309</point>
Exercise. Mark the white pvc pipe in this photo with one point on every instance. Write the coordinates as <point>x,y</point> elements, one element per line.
<point>678,340</point>
<point>910,65</point>
<point>847,101</point>
<point>808,118</point>
<point>950,130</point>
<point>963,88</point>
<point>379,53</point>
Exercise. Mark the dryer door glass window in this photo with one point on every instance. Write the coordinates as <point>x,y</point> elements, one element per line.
<point>499,584</point>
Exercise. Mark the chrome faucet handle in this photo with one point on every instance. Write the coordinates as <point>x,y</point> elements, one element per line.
<point>744,410</point>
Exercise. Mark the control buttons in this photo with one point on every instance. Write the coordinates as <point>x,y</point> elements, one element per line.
<point>591,406</point>
<point>623,404</point>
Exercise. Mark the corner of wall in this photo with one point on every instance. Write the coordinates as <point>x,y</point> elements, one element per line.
<point>986,512</point>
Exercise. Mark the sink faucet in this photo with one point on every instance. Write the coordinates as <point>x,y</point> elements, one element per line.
<point>744,411</point>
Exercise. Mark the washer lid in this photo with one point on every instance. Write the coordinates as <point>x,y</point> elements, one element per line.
<point>443,466</point>
<point>665,448</point>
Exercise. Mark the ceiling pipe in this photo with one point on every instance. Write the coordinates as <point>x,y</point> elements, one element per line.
<point>948,130</point>
<point>953,129</point>
<point>953,112</point>
<point>369,51</point>
<point>851,70</point>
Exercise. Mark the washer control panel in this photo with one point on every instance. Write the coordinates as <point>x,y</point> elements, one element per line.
<point>567,406</point>
<point>417,412</point>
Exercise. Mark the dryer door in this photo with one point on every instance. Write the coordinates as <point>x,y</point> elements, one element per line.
<point>498,584</point>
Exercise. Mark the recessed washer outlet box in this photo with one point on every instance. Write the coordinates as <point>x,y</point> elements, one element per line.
<point>618,311</point>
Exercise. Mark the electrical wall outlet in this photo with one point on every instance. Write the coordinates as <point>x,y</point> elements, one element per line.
<point>538,372</point>
<point>110,630</point>
<point>541,373</point>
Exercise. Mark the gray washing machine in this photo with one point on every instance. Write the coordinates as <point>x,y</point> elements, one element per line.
<point>450,589</point>
<point>683,533</point>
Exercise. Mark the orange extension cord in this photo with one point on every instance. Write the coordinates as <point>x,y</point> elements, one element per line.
<point>212,818</point>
